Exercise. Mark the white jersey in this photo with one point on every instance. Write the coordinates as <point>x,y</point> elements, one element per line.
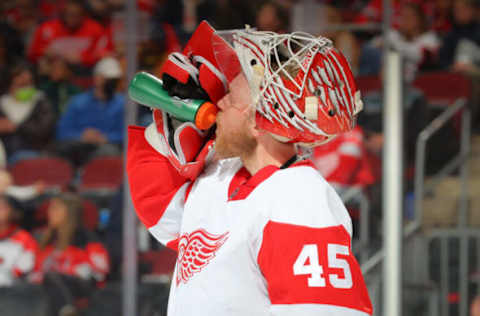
<point>275,243</point>
<point>17,255</point>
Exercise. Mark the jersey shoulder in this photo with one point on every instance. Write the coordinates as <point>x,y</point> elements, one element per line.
<point>213,182</point>
<point>217,171</point>
<point>301,196</point>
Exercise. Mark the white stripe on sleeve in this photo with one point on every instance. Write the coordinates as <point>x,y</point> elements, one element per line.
<point>168,226</point>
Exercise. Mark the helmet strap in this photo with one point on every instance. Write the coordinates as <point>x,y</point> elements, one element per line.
<point>289,162</point>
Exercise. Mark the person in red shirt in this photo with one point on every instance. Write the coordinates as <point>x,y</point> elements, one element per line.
<point>70,260</point>
<point>17,246</point>
<point>74,36</point>
<point>342,161</point>
<point>273,17</point>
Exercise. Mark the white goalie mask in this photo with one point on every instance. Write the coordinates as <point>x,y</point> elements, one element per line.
<point>302,87</point>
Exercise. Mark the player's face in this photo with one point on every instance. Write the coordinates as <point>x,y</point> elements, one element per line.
<point>235,121</point>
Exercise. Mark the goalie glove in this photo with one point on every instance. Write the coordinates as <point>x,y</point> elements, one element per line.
<point>186,147</point>
<point>194,73</point>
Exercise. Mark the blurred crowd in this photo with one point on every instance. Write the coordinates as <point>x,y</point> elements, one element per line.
<point>62,95</point>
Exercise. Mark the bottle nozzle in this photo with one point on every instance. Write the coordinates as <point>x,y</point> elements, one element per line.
<point>206,116</point>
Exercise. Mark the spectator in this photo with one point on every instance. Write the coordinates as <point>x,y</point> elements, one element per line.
<point>226,14</point>
<point>100,11</point>
<point>372,11</point>
<point>23,17</point>
<point>57,84</point>
<point>272,17</point>
<point>343,163</point>
<point>166,34</point>
<point>70,260</point>
<point>11,49</point>
<point>79,39</point>
<point>117,4</point>
<point>416,113</point>
<point>345,41</point>
<point>93,120</point>
<point>26,116</point>
<point>19,193</point>
<point>308,16</point>
<point>170,12</point>
<point>475,307</point>
<point>442,17</point>
<point>412,39</point>
<point>17,247</point>
<point>460,47</point>
<point>50,9</point>
<point>4,63</point>
<point>3,156</point>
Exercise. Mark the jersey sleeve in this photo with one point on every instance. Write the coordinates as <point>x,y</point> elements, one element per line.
<point>98,260</point>
<point>311,271</point>
<point>341,161</point>
<point>158,191</point>
<point>100,46</point>
<point>38,43</point>
<point>25,262</point>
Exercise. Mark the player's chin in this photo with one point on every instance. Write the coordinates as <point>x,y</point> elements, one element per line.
<point>219,116</point>
<point>222,148</point>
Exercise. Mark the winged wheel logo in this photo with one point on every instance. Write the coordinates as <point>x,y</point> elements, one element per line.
<point>195,251</point>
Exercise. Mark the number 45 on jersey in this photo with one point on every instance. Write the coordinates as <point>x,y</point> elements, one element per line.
<point>308,263</point>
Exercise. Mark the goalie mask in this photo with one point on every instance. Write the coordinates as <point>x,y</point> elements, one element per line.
<point>302,88</point>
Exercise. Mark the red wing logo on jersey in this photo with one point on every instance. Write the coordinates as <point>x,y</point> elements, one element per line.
<point>195,250</point>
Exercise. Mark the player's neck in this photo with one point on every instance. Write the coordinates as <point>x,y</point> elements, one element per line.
<point>268,152</point>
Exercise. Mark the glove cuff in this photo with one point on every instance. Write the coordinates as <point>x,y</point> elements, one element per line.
<point>156,140</point>
<point>189,150</point>
<point>211,79</point>
<point>180,67</point>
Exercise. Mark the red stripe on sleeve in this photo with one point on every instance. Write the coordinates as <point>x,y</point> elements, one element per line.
<point>305,265</point>
<point>153,180</point>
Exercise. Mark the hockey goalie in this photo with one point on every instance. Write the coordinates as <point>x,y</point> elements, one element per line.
<point>257,229</point>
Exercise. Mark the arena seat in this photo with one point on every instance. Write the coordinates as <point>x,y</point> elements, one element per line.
<point>102,173</point>
<point>55,172</point>
<point>442,88</point>
<point>161,261</point>
<point>368,83</point>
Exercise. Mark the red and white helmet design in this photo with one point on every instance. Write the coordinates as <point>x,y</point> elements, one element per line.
<point>302,87</point>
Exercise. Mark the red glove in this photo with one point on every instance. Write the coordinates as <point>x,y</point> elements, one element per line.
<point>186,147</point>
<point>194,73</point>
<point>191,75</point>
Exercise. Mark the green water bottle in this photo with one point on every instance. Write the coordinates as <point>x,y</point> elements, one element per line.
<point>148,90</point>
